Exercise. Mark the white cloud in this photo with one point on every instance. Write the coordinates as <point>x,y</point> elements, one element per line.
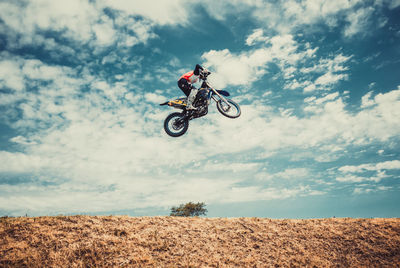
<point>287,174</point>
<point>394,4</point>
<point>293,173</point>
<point>246,67</point>
<point>387,165</point>
<point>75,16</point>
<point>231,69</point>
<point>20,163</point>
<point>10,75</point>
<point>366,100</point>
<point>158,11</point>
<point>331,123</point>
<point>79,21</point>
<point>113,150</point>
<point>293,58</point>
<point>333,71</point>
<point>35,69</point>
<point>254,193</point>
<point>132,195</point>
<point>362,190</point>
<point>154,98</point>
<point>308,12</point>
<point>22,140</point>
<point>106,148</point>
<point>328,97</point>
<point>105,34</point>
<point>139,30</point>
<point>86,22</point>
<point>17,70</point>
<point>255,37</point>
<point>287,16</point>
<point>100,141</point>
<point>355,174</point>
<point>358,179</point>
<point>95,144</point>
<point>366,190</point>
<point>329,79</point>
<point>228,166</point>
<point>358,21</point>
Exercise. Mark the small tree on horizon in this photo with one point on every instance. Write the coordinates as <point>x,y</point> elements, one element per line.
<point>189,210</point>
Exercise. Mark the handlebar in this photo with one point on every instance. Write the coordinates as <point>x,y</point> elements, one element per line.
<point>204,74</point>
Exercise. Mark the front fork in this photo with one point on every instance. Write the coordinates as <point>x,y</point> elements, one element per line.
<point>221,97</point>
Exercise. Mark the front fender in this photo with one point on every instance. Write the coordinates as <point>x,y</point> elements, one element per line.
<point>223,93</point>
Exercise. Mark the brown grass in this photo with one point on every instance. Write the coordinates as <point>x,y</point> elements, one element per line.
<point>122,241</point>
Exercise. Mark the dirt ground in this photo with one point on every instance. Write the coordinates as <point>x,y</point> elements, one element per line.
<point>122,241</point>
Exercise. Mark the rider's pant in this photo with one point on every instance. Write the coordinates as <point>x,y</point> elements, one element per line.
<point>189,90</point>
<point>192,96</point>
<point>185,86</point>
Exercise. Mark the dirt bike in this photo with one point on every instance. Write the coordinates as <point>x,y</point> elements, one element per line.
<point>176,124</point>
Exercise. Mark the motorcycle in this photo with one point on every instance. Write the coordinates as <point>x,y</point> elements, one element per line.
<point>176,124</point>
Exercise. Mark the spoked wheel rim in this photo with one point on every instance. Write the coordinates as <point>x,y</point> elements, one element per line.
<point>175,125</point>
<point>232,110</point>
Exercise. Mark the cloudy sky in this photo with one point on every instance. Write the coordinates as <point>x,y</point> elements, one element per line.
<point>318,81</point>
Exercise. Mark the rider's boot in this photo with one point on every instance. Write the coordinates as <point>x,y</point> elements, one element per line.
<point>190,99</point>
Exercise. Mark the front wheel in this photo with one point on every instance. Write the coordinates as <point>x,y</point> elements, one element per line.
<point>176,124</point>
<point>232,110</point>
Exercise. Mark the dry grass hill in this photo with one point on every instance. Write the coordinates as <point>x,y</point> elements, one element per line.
<point>122,241</point>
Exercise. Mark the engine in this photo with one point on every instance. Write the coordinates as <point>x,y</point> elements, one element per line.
<point>201,103</point>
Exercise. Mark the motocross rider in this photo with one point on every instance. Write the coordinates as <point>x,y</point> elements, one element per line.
<point>185,83</point>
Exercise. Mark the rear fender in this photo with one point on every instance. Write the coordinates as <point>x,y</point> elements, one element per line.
<point>177,103</point>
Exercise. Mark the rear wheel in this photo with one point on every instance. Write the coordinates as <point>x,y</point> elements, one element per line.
<point>176,124</point>
<point>232,110</point>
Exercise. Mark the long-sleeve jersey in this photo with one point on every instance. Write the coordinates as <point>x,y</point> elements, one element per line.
<point>193,76</point>
<point>190,77</point>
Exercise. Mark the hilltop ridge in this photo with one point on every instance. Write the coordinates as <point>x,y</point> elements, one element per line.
<point>78,241</point>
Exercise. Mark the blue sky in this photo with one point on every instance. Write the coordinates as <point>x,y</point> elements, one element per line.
<point>81,130</point>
